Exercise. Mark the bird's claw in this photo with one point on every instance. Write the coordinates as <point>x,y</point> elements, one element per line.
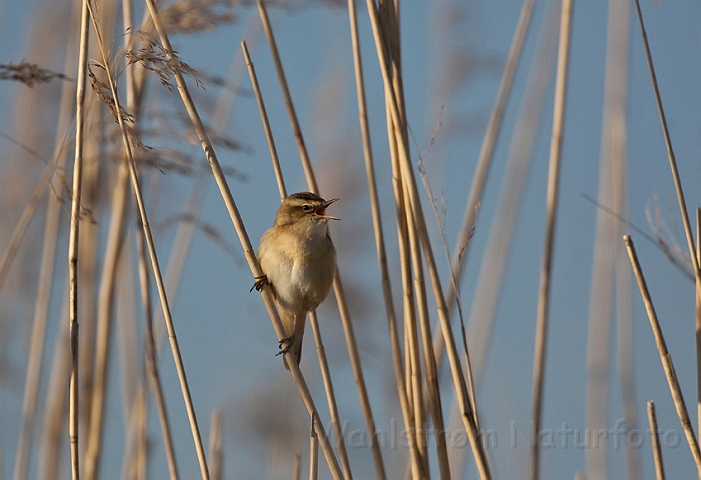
<point>285,344</point>
<point>260,283</point>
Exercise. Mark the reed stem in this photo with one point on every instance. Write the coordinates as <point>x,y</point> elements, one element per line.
<point>551,216</point>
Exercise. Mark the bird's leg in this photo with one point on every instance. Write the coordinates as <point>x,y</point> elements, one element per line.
<point>285,344</point>
<point>260,282</point>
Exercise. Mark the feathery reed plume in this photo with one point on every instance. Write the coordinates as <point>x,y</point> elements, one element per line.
<point>29,74</point>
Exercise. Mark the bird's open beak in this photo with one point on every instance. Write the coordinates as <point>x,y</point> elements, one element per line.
<point>321,211</point>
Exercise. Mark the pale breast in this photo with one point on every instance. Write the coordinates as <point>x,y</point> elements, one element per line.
<point>300,267</point>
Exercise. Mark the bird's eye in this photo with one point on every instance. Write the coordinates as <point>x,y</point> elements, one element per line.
<point>306,208</point>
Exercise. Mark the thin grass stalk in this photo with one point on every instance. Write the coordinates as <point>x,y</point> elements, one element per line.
<point>289,106</point>
<point>225,104</point>
<point>266,123</point>
<point>409,315</point>
<point>130,375</point>
<point>551,217</point>
<point>670,154</point>
<point>665,356</point>
<point>135,399</point>
<point>136,454</point>
<point>216,450</point>
<point>698,328</point>
<point>105,313</point>
<point>484,160</point>
<point>654,436</point>
<point>413,355</point>
<point>313,452</point>
<point>358,375</point>
<point>411,344</point>
<point>73,245</point>
<point>432,390</point>
<point>413,361</point>
<point>154,259</point>
<point>379,236</point>
<point>407,175</point>
<point>337,284</point>
<point>243,237</point>
<point>330,397</point>
<point>151,357</point>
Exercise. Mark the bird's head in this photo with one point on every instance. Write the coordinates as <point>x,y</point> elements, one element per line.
<point>303,207</point>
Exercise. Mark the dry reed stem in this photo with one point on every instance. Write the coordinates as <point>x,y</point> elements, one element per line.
<point>152,254</point>
<point>414,384</point>
<point>413,361</point>
<point>484,161</point>
<point>665,356</point>
<point>313,452</point>
<point>297,467</point>
<point>654,436</point>
<point>379,236</point>
<point>216,450</point>
<point>410,382</point>
<point>698,328</point>
<point>73,244</point>
<point>433,392</point>
<point>408,178</point>
<point>358,375</point>
<point>105,314</point>
<point>266,123</point>
<point>151,358</point>
<point>337,285</point>
<point>289,106</point>
<point>136,453</point>
<point>330,397</point>
<point>670,154</point>
<point>243,236</point>
<point>551,216</point>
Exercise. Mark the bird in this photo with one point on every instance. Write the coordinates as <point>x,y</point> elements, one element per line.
<point>298,260</point>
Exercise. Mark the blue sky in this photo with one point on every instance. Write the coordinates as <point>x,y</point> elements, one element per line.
<point>224,333</point>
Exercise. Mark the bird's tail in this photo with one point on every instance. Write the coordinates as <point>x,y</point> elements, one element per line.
<point>294,328</point>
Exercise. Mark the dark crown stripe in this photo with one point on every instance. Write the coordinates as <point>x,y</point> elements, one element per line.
<point>306,196</point>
